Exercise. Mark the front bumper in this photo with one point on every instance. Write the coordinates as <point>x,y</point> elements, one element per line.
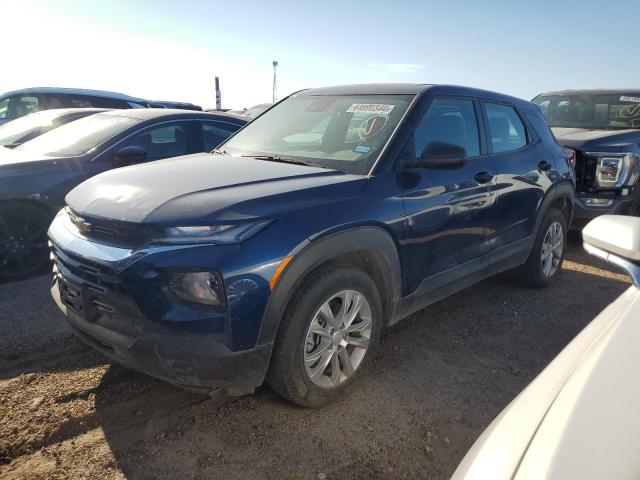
<point>90,288</point>
<point>583,212</point>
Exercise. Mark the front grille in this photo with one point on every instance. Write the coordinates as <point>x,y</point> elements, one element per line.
<point>83,274</point>
<point>94,292</point>
<point>110,232</point>
<point>586,167</point>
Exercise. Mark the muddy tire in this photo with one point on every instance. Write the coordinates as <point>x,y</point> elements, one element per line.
<point>328,334</point>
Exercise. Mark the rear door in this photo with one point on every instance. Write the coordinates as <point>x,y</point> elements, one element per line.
<point>448,209</point>
<point>521,165</point>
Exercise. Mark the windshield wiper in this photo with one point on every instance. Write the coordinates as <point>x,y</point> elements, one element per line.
<point>278,158</point>
<point>219,152</point>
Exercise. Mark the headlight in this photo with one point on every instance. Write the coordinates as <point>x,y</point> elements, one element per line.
<point>616,170</point>
<point>198,287</point>
<point>230,233</point>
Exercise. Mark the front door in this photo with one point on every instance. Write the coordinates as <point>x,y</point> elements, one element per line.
<point>449,210</point>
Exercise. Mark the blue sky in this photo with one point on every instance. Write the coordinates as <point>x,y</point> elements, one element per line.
<point>172,50</point>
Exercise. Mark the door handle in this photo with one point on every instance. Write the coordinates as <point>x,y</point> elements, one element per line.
<point>544,166</point>
<point>483,177</point>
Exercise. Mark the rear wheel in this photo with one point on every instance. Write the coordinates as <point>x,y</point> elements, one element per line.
<point>547,255</point>
<point>23,241</point>
<point>327,335</point>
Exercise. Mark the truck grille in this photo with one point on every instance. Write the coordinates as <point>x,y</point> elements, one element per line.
<point>586,167</point>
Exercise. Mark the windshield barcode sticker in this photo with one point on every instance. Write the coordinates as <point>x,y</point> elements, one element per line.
<point>375,108</point>
<point>630,99</point>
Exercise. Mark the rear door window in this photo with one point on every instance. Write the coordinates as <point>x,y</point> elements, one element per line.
<point>506,130</point>
<point>80,101</point>
<point>106,102</point>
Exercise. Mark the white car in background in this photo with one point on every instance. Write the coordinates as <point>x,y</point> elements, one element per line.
<point>580,418</point>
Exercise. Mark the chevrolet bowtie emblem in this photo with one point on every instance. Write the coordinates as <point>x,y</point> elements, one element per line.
<point>81,224</point>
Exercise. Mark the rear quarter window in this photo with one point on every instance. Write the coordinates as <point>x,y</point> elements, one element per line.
<point>541,127</point>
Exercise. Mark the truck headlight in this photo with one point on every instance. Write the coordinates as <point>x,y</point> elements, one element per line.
<point>616,170</point>
<point>228,233</point>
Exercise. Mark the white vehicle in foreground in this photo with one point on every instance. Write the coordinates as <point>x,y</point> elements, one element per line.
<point>580,418</point>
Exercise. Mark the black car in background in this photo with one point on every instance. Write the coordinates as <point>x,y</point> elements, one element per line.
<point>19,103</point>
<point>36,176</point>
<point>603,128</point>
<point>23,129</point>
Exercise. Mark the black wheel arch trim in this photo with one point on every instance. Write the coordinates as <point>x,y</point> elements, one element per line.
<point>322,250</point>
<point>564,190</point>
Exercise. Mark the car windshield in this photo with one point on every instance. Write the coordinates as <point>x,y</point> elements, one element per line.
<point>79,137</point>
<point>342,132</point>
<point>22,128</point>
<point>593,111</point>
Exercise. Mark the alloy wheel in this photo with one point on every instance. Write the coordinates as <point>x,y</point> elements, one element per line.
<point>23,244</point>
<point>337,339</point>
<point>552,249</point>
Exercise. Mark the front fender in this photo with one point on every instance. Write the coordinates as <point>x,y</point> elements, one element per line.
<point>311,255</point>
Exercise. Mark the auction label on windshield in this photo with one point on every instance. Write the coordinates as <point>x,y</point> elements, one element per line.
<point>630,99</point>
<point>379,108</point>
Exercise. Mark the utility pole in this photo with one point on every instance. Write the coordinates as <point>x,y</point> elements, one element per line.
<point>275,89</point>
<point>218,95</point>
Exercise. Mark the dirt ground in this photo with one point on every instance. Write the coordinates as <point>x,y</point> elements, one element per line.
<point>437,381</point>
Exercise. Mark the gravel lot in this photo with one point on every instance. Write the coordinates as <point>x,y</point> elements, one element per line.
<point>437,381</point>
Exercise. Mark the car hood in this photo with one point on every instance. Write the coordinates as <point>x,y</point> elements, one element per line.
<point>579,418</point>
<point>597,140</point>
<point>203,188</point>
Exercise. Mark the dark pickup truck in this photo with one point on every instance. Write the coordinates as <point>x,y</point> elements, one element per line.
<point>603,127</point>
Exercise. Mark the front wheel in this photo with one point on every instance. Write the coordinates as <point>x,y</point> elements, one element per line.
<point>23,241</point>
<point>547,255</point>
<point>332,325</point>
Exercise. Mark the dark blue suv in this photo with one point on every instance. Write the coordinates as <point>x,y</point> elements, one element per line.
<point>282,255</point>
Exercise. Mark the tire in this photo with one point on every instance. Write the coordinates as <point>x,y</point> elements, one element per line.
<point>535,272</point>
<point>23,241</point>
<point>294,373</point>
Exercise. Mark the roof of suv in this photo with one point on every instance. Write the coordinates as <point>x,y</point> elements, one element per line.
<point>414,89</point>
<point>78,91</point>
<point>595,91</point>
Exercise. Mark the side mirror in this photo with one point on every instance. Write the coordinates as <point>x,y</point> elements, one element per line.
<point>616,239</point>
<point>441,155</point>
<point>128,155</point>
